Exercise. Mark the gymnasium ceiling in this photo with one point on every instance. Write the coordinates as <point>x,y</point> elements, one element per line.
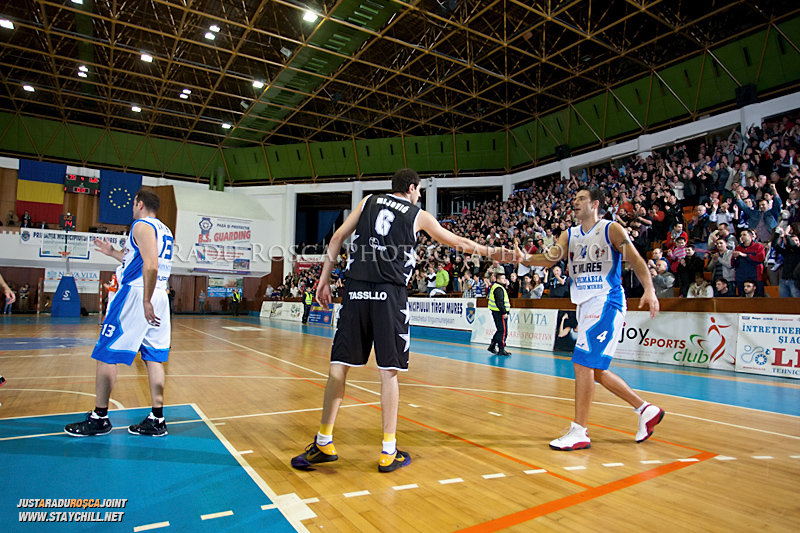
<point>364,69</point>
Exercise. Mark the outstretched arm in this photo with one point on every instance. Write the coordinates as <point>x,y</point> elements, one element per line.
<point>622,243</point>
<point>553,255</point>
<point>428,224</point>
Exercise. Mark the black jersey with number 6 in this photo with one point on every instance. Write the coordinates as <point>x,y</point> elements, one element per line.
<point>382,249</point>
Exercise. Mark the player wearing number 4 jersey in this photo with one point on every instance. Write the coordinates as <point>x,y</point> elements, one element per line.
<point>595,250</point>
<point>374,306</point>
<point>134,322</point>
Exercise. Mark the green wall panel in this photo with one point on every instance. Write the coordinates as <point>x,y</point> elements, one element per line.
<point>61,145</point>
<point>105,153</point>
<point>717,85</point>
<point>636,96</point>
<point>736,54</point>
<point>86,138</point>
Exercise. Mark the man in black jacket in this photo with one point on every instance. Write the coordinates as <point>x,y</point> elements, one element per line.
<point>787,244</point>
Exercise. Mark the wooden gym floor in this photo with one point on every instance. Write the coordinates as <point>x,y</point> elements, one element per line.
<point>725,458</point>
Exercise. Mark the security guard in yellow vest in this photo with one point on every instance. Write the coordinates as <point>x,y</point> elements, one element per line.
<point>499,306</point>
<point>308,301</point>
<point>236,298</point>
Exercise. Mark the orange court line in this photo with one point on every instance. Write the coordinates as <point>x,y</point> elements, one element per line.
<point>574,499</point>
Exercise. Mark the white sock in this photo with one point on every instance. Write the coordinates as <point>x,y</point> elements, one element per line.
<point>576,425</point>
<point>641,408</point>
<point>389,446</point>
<point>322,440</point>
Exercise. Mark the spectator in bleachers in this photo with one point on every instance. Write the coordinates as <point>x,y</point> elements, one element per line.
<point>537,286</point>
<point>700,288</point>
<point>748,260</point>
<point>722,289</point>
<point>673,236</point>
<point>663,280</point>
<point>676,253</point>
<point>698,232</point>
<point>688,267</point>
<point>558,284</point>
<point>720,263</point>
<point>467,285</point>
<point>787,243</point>
<point>12,219</point>
<point>431,279</point>
<point>766,218</point>
<point>750,289</point>
<point>442,279</point>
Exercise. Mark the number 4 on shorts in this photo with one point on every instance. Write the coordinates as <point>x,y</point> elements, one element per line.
<point>602,336</point>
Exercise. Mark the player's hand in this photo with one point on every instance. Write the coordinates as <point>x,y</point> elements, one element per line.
<point>103,246</point>
<point>324,295</point>
<point>150,315</point>
<point>9,294</point>
<point>651,300</point>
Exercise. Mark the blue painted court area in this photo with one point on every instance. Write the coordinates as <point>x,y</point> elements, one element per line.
<point>175,479</point>
<point>763,393</point>
<point>8,344</point>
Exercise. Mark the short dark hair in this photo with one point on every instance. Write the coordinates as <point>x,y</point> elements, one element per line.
<point>403,179</point>
<point>150,200</point>
<point>751,281</point>
<point>595,195</point>
<point>723,280</point>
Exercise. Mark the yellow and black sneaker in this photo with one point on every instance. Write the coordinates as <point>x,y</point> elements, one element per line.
<point>315,454</point>
<point>392,461</point>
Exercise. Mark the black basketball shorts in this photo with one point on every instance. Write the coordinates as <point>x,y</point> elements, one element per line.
<point>373,313</point>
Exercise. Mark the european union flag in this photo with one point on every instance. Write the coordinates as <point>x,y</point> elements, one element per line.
<point>117,191</point>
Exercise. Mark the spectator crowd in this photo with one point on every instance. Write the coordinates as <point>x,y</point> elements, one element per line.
<point>715,218</point>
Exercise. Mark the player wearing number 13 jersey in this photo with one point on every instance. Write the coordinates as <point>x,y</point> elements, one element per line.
<point>594,250</point>
<point>375,305</point>
<point>137,319</point>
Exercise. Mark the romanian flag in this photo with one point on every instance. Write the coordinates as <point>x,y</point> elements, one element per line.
<point>40,191</point>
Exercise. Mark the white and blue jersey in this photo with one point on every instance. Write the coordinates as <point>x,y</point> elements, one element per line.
<point>130,272</point>
<point>595,271</point>
<point>125,330</point>
<point>595,267</point>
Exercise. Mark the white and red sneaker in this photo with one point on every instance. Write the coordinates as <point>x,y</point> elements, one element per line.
<point>649,417</point>
<point>575,438</point>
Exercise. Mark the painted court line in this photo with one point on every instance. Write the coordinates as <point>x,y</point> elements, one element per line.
<point>495,414</point>
<point>268,507</point>
<point>611,465</point>
<point>578,498</point>
<point>493,476</point>
<point>762,457</point>
<point>245,452</point>
<point>688,460</point>
<point>311,500</point>
<point>651,462</point>
<point>571,468</point>
<point>355,494</point>
<point>537,471</point>
<point>216,515</point>
<point>148,527</point>
<point>794,456</point>
<point>448,481</point>
<point>412,405</point>
<point>724,458</point>
<point>406,487</point>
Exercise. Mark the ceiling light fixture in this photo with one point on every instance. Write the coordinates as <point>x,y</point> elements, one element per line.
<point>136,109</point>
<point>210,36</point>
<point>310,16</point>
<point>214,28</point>
<point>285,51</point>
<point>147,58</point>
<point>226,126</point>
<point>29,88</point>
<point>184,96</point>
<point>79,2</point>
<point>186,91</point>
<point>83,68</point>
<point>82,74</point>
<point>7,24</point>
<point>258,84</point>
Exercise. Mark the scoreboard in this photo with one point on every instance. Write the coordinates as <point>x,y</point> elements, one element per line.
<point>82,184</point>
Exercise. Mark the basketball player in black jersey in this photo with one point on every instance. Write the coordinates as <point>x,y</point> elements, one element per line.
<point>375,305</point>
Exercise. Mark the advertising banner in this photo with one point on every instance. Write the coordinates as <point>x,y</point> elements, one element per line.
<point>449,313</point>
<point>336,310</point>
<point>223,287</point>
<point>706,340</point>
<point>320,316</point>
<point>292,312</point>
<point>769,345</point>
<point>215,257</point>
<point>87,281</point>
<point>52,242</point>
<point>534,329</point>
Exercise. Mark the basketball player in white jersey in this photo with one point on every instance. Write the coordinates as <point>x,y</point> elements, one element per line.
<point>595,250</point>
<point>375,305</point>
<point>134,322</point>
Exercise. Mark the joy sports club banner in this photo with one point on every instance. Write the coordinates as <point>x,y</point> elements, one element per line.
<point>769,345</point>
<point>534,329</point>
<point>449,313</point>
<point>706,340</point>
